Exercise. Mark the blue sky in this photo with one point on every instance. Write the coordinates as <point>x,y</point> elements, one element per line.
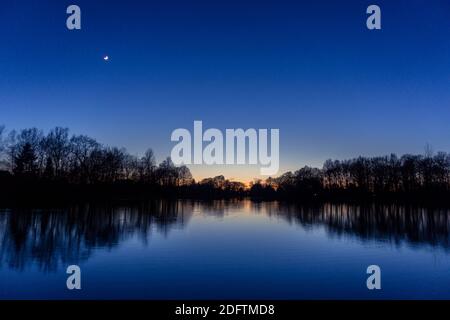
<point>309,68</point>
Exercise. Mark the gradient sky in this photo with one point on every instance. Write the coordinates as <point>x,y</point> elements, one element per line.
<point>309,68</point>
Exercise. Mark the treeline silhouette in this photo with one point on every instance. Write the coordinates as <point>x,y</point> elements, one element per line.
<point>80,159</point>
<point>56,164</point>
<point>34,164</point>
<point>410,177</point>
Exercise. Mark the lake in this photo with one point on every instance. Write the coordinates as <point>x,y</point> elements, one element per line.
<point>235,249</point>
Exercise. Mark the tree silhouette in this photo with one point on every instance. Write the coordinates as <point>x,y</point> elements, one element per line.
<point>25,161</point>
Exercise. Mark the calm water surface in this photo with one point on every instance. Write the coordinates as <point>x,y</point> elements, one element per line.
<point>224,249</point>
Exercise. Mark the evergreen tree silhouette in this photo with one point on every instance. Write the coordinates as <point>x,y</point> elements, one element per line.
<point>25,161</point>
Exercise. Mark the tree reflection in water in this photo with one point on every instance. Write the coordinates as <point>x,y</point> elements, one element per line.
<point>53,237</point>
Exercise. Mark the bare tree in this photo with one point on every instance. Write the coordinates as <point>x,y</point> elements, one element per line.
<point>81,148</point>
<point>57,148</point>
<point>147,166</point>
